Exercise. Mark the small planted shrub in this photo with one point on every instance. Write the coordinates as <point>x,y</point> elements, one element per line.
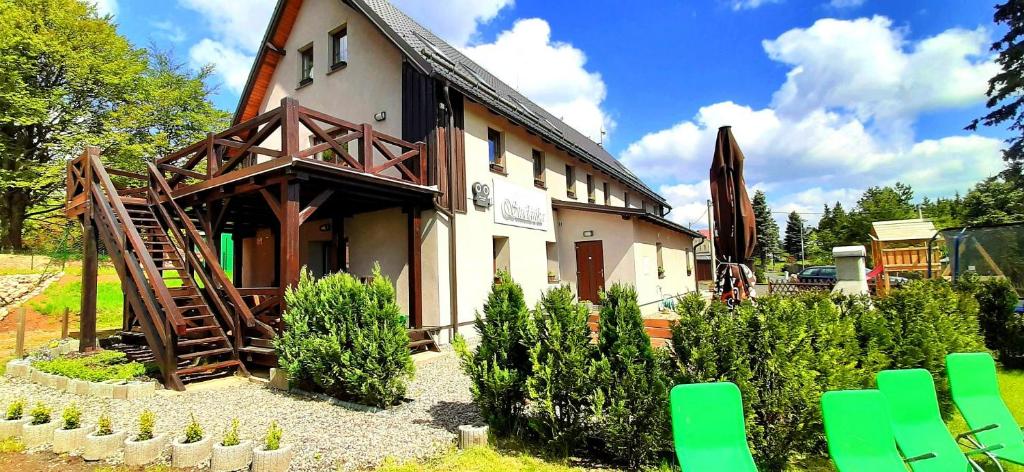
<point>231,435</point>
<point>499,366</point>
<point>104,427</point>
<point>40,414</point>
<point>71,418</point>
<point>346,338</point>
<point>16,409</point>
<point>147,421</point>
<point>193,431</point>
<point>273,439</point>
<point>632,397</point>
<point>560,387</point>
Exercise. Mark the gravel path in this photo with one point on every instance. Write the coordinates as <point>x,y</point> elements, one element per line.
<point>325,436</point>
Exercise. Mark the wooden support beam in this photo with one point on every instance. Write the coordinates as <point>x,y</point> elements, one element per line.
<point>90,271</point>
<point>289,235</point>
<point>272,202</point>
<point>415,267</point>
<point>289,127</point>
<point>315,205</point>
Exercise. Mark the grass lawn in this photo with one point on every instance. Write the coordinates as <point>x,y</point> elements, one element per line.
<point>67,292</point>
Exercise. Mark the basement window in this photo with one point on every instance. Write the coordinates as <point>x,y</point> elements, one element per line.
<point>306,65</point>
<point>339,48</point>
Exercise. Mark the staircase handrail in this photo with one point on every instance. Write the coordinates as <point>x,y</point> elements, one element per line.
<point>131,233</point>
<point>211,259</point>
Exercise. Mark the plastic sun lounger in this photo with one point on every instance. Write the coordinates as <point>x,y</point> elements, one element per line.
<point>917,423</point>
<point>972,381</point>
<point>859,434</point>
<point>708,428</point>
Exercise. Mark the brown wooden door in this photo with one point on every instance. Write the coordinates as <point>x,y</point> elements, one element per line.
<point>589,270</point>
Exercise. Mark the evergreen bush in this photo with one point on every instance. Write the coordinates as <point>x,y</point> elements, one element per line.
<point>71,417</point>
<point>40,414</point>
<point>346,338</point>
<point>631,404</point>
<point>193,431</point>
<point>273,440</point>
<point>560,387</point>
<point>500,365</point>
<point>147,421</point>
<point>104,427</point>
<point>231,437</point>
<point>15,410</point>
<point>1001,326</point>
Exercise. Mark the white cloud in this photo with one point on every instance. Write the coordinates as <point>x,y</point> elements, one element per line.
<point>819,142</point>
<point>168,31</point>
<point>865,66</point>
<point>750,4</point>
<point>845,3</point>
<point>231,65</point>
<point>105,7</point>
<point>458,21</point>
<point>551,73</point>
<point>235,31</point>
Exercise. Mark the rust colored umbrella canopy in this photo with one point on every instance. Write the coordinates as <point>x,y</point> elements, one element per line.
<point>735,230</point>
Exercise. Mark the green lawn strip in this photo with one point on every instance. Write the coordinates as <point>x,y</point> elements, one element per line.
<point>1011,387</point>
<point>61,294</point>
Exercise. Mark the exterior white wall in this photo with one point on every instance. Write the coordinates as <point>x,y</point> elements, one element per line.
<point>381,236</point>
<point>370,83</point>
<point>676,248</point>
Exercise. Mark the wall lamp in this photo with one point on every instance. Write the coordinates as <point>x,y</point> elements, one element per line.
<point>380,116</point>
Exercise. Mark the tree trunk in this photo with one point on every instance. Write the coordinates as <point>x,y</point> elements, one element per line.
<point>12,219</point>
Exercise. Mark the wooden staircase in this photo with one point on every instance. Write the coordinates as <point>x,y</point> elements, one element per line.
<point>205,347</point>
<point>178,298</point>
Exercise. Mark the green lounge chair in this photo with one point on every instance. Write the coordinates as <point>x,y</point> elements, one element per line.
<point>918,425</point>
<point>708,428</point>
<point>859,433</point>
<point>972,381</point>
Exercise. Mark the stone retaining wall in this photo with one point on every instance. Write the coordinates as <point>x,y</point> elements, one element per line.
<point>119,390</point>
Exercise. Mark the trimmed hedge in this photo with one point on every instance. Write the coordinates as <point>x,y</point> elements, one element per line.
<point>346,338</point>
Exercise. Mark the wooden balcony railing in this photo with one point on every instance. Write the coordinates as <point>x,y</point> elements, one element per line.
<point>294,131</point>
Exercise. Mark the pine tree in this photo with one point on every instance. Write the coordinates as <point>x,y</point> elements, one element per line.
<point>796,232</point>
<point>1006,88</point>
<point>501,364</point>
<point>560,388</point>
<point>767,228</point>
<point>632,403</point>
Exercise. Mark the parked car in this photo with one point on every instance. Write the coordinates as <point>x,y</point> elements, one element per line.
<point>821,274</point>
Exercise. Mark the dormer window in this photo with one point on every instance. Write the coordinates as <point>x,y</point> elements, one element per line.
<point>306,65</point>
<point>339,48</point>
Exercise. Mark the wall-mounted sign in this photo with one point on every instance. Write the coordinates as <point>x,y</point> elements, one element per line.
<point>481,194</point>
<point>519,206</point>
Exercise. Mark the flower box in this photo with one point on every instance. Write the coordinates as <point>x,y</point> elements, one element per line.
<point>277,460</point>
<point>18,368</point>
<point>12,428</point>
<point>137,453</point>
<point>78,387</point>
<point>70,441</point>
<point>228,458</point>
<point>102,447</point>
<point>100,389</point>
<point>37,435</point>
<point>185,455</point>
<point>58,382</point>
<point>135,390</point>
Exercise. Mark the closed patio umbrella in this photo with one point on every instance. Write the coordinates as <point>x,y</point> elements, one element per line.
<point>735,231</point>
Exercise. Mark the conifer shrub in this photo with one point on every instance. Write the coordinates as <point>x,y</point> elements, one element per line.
<point>193,431</point>
<point>1001,326</point>
<point>147,421</point>
<point>15,410</point>
<point>631,403</point>
<point>71,417</point>
<point>346,338</point>
<point>500,364</point>
<point>231,437</point>
<point>40,414</point>
<point>104,427</point>
<point>272,442</point>
<point>560,386</point>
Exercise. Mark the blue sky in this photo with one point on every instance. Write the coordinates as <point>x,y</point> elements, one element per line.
<point>827,97</point>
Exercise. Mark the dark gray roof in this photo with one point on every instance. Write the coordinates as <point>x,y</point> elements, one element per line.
<point>435,56</point>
